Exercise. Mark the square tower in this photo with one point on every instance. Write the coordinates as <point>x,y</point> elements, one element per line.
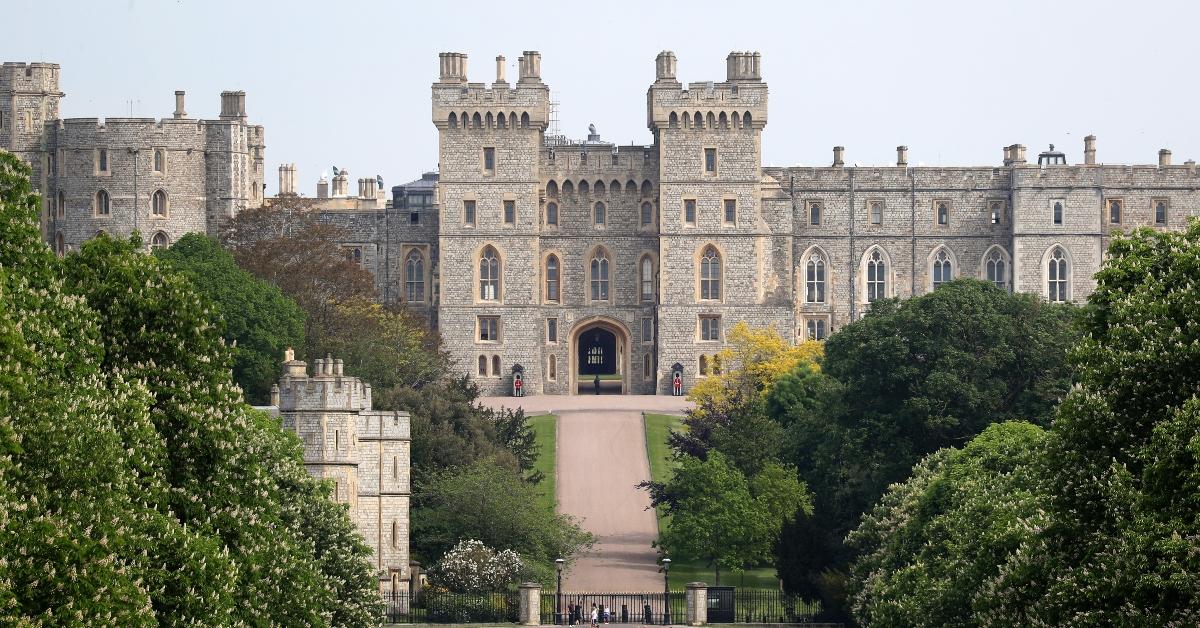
<point>29,100</point>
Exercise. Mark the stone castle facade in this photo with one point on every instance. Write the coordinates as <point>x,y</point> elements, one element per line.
<point>566,259</point>
<point>364,452</point>
<point>165,178</point>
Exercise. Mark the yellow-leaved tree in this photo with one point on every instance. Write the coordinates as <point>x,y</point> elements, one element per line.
<point>746,368</point>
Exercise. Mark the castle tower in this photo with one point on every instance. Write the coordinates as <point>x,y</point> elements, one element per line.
<point>490,139</point>
<point>723,258</point>
<point>29,100</point>
<point>365,453</point>
<point>234,168</point>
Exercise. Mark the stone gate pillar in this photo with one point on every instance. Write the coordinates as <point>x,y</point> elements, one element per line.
<point>696,601</point>
<point>530,613</point>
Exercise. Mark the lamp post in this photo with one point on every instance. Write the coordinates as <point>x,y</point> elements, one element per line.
<point>558,564</point>
<point>666,562</point>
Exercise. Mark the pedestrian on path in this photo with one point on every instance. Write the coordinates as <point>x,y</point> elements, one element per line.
<point>595,614</point>
<point>596,383</point>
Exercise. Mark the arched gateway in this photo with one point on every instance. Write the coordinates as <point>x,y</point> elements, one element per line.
<point>599,346</point>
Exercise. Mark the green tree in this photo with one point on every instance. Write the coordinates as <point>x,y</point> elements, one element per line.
<point>926,550</point>
<point>493,505</point>
<point>257,320</point>
<point>723,519</point>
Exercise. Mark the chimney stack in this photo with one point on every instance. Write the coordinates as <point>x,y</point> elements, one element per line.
<point>453,67</point>
<point>366,187</point>
<point>1014,154</point>
<point>838,152</point>
<point>1164,158</point>
<point>530,67</point>
<point>743,66</point>
<point>341,184</point>
<point>179,112</point>
<point>902,156</point>
<point>1089,150</point>
<point>323,187</point>
<point>500,69</point>
<point>233,105</point>
<point>664,66</point>
<point>287,179</point>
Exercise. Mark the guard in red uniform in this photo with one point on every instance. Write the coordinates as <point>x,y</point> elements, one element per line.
<point>677,386</point>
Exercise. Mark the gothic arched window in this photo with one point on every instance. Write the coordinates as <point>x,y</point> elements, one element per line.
<point>943,270</point>
<point>552,214</point>
<point>489,274</point>
<point>600,274</point>
<point>414,277</point>
<point>552,280</point>
<point>646,279</point>
<point>103,206</point>
<point>158,203</point>
<point>159,161</point>
<point>710,274</point>
<point>647,213</point>
<point>159,241</point>
<point>601,216</point>
<point>1058,213</point>
<point>995,268</point>
<point>814,279</point>
<point>1057,276</point>
<point>876,276</point>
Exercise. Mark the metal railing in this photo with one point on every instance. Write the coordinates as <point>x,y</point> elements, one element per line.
<point>443,607</point>
<point>618,608</point>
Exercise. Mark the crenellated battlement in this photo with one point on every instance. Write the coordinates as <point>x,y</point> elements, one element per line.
<point>459,104</point>
<point>739,103</point>
<point>30,78</point>
<point>327,389</point>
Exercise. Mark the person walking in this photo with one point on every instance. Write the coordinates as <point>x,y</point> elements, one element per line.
<point>595,614</point>
<point>570,613</point>
<point>596,383</point>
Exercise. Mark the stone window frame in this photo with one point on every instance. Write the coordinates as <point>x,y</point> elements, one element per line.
<point>160,240</point>
<point>716,159</point>
<point>643,279</point>
<point>699,256</point>
<point>492,324</point>
<point>647,366</point>
<point>599,215</point>
<point>1068,271</point>
<point>934,260</point>
<point>552,207</point>
<point>166,204</point>
<point>99,201</point>
<point>1108,213</point>
<point>97,154</point>
<point>423,260</point>
<point>483,158</point>
<point>1058,211</point>
<point>709,329</point>
<point>871,203</point>
<point>60,244</point>
<point>504,205</point>
<point>996,253</point>
<point>643,224</point>
<point>806,259</point>
<point>815,324</point>
<point>477,289</point>
<point>809,205</point>
<point>60,205</point>
<point>473,215</point>
<point>552,331</point>
<point>1166,218</point>
<point>497,371</point>
<point>997,214</point>
<point>889,272</point>
<point>647,323</point>
<point>725,200</point>
<point>545,274</point>
<point>683,211</point>
<point>158,161</point>
<point>937,212</point>
<point>552,368</point>
<point>607,282</point>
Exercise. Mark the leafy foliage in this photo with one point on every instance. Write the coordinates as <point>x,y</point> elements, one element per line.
<point>256,319</point>
<point>472,567</point>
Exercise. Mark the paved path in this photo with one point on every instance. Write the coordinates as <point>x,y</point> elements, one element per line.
<point>601,457</point>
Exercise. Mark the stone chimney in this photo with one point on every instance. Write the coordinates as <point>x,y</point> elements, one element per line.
<point>179,111</point>
<point>1089,150</point>
<point>366,188</point>
<point>743,66</point>
<point>233,105</point>
<point>341,184</point>
<point>323,187</point>
<point>1164,158</point>
<point>530,67</point>
<point>902,156</point>
<point>838,154</point>
<point>453,67</point>
<point>293,367</point>
<point>287,178</point>
<point>500,69</point>
<point>1014,154</point>
<point>664,66</point>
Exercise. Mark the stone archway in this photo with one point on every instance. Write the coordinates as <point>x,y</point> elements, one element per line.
<point>599,345</point>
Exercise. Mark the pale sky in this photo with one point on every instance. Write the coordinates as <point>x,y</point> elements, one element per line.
<point>346,84</point>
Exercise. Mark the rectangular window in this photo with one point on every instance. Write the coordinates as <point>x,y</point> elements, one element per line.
<point>1056,211</point>
<point>710,328</point>
<point>814,213</point>
<point>489,329</point>
<point>647,330</point>
<point>551,330</point>
<point>1,119</point>
<point>616,159</point>
<point>876,211</point>
<point>414,218</point>
<point>489,160</point>
<point>710,160</point>
<point>730,211</point>
<point>816,329</point>
<point>647,366</point>
<point>689,211</point>
<point>510,212</point>
<point>1160,211</point>
<point>996,209</point>
<point>1115,205</point>
<point>552,367</point>
<point>942,209</point>
<point>469,213</point>
<point>102,160</point>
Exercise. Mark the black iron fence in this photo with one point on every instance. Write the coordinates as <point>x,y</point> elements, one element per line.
<point>443,607</point>
<point>613,608</point>
<point>759,606</point>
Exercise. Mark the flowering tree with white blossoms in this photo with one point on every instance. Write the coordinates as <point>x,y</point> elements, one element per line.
<point>472,567</point>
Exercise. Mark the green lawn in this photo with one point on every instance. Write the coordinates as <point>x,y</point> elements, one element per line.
<point>661,466</point>
<point>544,428</point>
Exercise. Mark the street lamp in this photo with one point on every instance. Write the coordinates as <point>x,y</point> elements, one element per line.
<point>666,562</point>
<point>558,563</point>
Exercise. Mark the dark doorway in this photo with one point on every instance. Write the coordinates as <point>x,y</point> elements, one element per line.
<point>597,356</point>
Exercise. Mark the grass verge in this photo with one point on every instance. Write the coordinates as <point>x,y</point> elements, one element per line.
<point>545,427</point>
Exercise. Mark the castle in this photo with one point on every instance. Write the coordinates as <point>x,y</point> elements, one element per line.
<point>563,261</point>
<point>364,452</point>
<point>165,178</point>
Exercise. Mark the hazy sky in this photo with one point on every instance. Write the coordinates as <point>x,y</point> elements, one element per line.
<point>347,83</point>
